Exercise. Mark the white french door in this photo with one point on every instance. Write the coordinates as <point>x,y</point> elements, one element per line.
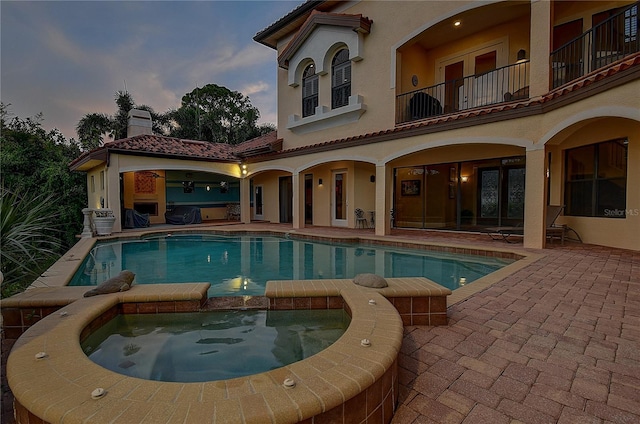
<point>339,198</point>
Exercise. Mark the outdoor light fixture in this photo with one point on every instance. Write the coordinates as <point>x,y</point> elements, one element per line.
<point>464,178</point>
<point>244,169</point>
<point>372,178</point>
<point>319,182</point>
<point>208,187</point>
<point>457,23</point>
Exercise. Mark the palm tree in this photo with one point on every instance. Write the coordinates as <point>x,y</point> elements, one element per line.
<point>93,126</point>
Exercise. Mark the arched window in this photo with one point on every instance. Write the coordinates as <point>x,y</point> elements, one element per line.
<point>309,91</point>
<point>340,79</point>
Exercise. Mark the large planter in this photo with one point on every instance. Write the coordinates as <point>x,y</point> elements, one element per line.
<point>103,221</point>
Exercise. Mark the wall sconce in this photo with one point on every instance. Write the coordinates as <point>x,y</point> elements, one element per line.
<point>244,169</point>
<point>319,182</point>
<point>464,178</point>
<point>208,187</point>
<point>372,178</point>
<point>522,56</point>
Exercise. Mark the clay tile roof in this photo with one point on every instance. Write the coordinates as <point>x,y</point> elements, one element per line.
<point>162,146</point>
<point>261,144</point>
<point>592,77</point>
<point>153,145</point>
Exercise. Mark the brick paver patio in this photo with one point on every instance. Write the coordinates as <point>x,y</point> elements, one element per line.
<point>556,342</point>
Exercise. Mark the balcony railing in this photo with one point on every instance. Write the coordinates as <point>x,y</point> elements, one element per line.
<point>611,40</point>
<point>500,85</point>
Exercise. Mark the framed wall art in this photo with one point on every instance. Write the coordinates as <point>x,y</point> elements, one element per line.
<point>410,187</point>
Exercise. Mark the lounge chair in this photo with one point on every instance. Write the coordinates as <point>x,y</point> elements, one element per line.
<point>554,230</point>
<point>497,233</point>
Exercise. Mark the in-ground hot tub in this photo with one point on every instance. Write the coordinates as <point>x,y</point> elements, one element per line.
<point>354,379</point>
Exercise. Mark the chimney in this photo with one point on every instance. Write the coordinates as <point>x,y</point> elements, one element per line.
<point>139,122</point>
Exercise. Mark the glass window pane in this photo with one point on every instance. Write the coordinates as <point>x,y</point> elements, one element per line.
<point>580,163</point>
<point>515,194</point>
<point>612,159</point>
<point>579,198</point>
<point>612,198</point>
<point>409,202</point>
<point>489,184</point>
<point>440,196</point>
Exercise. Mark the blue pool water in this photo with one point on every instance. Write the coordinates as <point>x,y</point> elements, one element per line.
<point>241,265</point>
<point>207,346</point>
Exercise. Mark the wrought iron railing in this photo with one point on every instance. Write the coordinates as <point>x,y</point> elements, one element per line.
<point>500,85</point>
<point>607,42</point>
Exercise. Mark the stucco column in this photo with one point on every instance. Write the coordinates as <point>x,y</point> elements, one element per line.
<point>245,200</point>
<point>297,208</point>
<point>535,199</point>
<point>383,200</point>
<point>540,46</point>
<point>112,191</point>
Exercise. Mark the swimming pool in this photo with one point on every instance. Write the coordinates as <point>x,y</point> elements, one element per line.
<point>241,265</point>
<point>209,346</point>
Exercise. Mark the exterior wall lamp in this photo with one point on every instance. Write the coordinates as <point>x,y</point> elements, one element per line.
<point>244,169</point>
<point>464,178</point>
<point>319,182</point>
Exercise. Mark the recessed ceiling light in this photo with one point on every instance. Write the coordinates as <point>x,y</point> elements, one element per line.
<point>457,23</point>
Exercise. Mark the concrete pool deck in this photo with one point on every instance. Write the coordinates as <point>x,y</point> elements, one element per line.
<point>555,341</point>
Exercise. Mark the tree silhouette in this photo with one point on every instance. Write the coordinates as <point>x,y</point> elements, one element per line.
<point>92,127</point>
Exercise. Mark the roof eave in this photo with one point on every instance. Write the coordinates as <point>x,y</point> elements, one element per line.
<point>171,156</point>
<point>82,163</point>
<point>270,35</point>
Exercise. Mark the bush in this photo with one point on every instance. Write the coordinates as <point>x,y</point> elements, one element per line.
<point>29,244</point>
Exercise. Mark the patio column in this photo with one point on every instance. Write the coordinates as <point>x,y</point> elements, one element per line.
<point>298,206</point>
<point>535,198</point>
<point>383,200</point>
<point>245,200</point>
<point>112,191</point>
<point>540,46</point>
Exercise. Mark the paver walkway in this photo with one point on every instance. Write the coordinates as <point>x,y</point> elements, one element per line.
<point>556,342</point>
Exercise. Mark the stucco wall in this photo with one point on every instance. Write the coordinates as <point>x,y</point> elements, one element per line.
<point>618,232</point>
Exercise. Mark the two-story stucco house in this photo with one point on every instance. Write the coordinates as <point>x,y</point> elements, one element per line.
<point>428,115</point>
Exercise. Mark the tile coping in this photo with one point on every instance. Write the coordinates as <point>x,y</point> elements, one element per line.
<point>346,368</point>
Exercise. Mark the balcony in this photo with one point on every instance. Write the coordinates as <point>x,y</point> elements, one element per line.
<point>605,43</point>
<point>500,85</point>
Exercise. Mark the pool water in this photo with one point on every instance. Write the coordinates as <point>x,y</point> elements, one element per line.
<point>207,346</point>
<point>241,265</point>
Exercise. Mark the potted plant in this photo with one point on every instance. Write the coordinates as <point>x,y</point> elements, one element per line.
<point>103,221</point>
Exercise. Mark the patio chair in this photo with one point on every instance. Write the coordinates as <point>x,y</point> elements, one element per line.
<point>360,219</point>
<point>233,212</point>
<point>554,230</point>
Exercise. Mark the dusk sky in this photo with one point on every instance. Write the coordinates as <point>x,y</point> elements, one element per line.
<point>69,58</point>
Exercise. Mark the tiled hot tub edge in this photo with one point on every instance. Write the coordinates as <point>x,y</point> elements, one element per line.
<point>358,383</point>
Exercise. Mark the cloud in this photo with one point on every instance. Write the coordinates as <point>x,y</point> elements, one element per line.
<point>57,59</point>
<point>253,88</point>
